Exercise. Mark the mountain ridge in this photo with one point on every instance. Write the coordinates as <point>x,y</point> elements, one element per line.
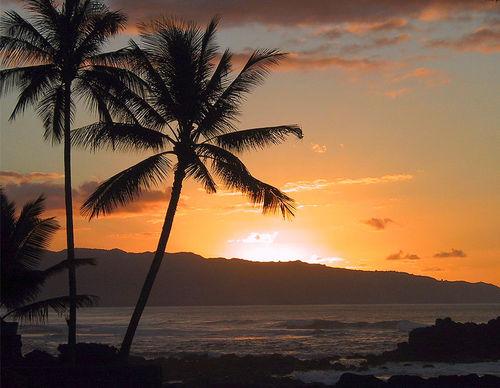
<point>187,278</point>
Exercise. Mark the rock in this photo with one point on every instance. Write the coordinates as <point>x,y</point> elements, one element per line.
<point>39,358</point>
<point>10,343</point>
<point>90,354</point>
<point>406,381</point>
<point>448,341</point>
<point>351,380</point>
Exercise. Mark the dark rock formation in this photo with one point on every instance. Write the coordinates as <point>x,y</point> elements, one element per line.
<point>448,341</point>
<point>349,380</point>
<point>10,343</point>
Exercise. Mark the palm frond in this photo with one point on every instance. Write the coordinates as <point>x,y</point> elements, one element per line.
<point>21,42</point>
<point>33,244</point>
<point>50,109</point>
<point>121,92</point>
<point>119,136</point>
<point>256,138</point>
<point>222,113</point>
<point>39,311</point>
<point>34,84</point>
<point>7,217</point>
<point>127,185</point>
<point>199,171</point>
<point>236,176</point>
<point>98,29</point>
<point>208,51</point>
<point>218,81</point>
<point>163,100</point>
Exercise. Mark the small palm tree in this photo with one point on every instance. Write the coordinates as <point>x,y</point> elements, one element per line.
<point>52,57</point>
<point>24,239</point>
<point>188,117</point>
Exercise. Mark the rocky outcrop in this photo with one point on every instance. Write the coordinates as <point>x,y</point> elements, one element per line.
<point>448,341</point>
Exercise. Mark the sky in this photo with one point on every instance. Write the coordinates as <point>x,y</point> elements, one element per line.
<point>399,165</point>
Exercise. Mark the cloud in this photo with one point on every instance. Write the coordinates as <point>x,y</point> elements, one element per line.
<point>395,93</point>
<point>256,238</point>
<point>485,40</point>
<point>320,59</point>
<point>328,261</point>
<point>380,15</point>
<point>402,256</point>
<point>13,177</point>
<point>378,223</point>
<point>319,184</point>
<point>376,26</point>
<point>430,77</point>
<point>375,44</point>
<point>452,253</point>
<point>318,148</point>
<point>26,187</point>
<point>375,180</point>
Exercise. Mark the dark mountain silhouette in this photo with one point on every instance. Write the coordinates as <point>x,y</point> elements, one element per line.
<point>189,279</point>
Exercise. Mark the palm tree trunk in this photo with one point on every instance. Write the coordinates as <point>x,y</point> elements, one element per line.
<point>155,265</point>
<point>70,242</point>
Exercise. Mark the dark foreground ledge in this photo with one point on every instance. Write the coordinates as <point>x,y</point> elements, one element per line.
<point>348,380</point>
<point>82,377</point>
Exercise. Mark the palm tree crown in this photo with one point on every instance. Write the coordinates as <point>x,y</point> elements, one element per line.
<point>24,239</point>
<point>189,114</point>
<point>55,47</point>
<point>188,118</point>
<point>53,57</point>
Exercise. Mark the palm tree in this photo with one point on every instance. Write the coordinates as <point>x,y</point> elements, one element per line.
<point>188,117</point>
<point>24,239</point>
<point>53,58</point>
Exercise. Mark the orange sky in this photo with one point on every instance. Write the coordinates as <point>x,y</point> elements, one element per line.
<point>398,168</point>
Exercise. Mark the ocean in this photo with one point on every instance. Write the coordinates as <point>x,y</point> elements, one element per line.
<point>303,331</point>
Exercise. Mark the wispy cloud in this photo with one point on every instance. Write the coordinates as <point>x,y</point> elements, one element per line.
<point>13,177</point>
<point>320,184</point>
<point>395,93</point>
<point>318,148</point>
<point>451,253</point>
<point>322,59</point>
<point>256,238</point>
<point>431,77</point>
<point>375,180</point>
<point>485,40</point>
<point>403,256</point>
<point>378,223</point>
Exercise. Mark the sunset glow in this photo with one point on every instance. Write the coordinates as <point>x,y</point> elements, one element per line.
<point>398,168</point>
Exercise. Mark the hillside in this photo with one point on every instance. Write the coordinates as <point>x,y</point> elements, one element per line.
<point>189,279</point>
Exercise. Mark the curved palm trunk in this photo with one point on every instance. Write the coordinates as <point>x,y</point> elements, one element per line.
<point>155,265</point>
<point>70,241</point>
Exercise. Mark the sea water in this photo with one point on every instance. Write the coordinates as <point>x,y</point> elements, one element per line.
<point>303,331</point>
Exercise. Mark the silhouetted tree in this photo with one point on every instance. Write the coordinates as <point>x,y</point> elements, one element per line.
<point>53,58</point>
<point>188,116</point>
<point>24,238</point>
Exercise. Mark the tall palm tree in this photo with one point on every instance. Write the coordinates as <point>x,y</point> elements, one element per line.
<point>188,118</point>
<point>53,57</point>
<point>24,238</point>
